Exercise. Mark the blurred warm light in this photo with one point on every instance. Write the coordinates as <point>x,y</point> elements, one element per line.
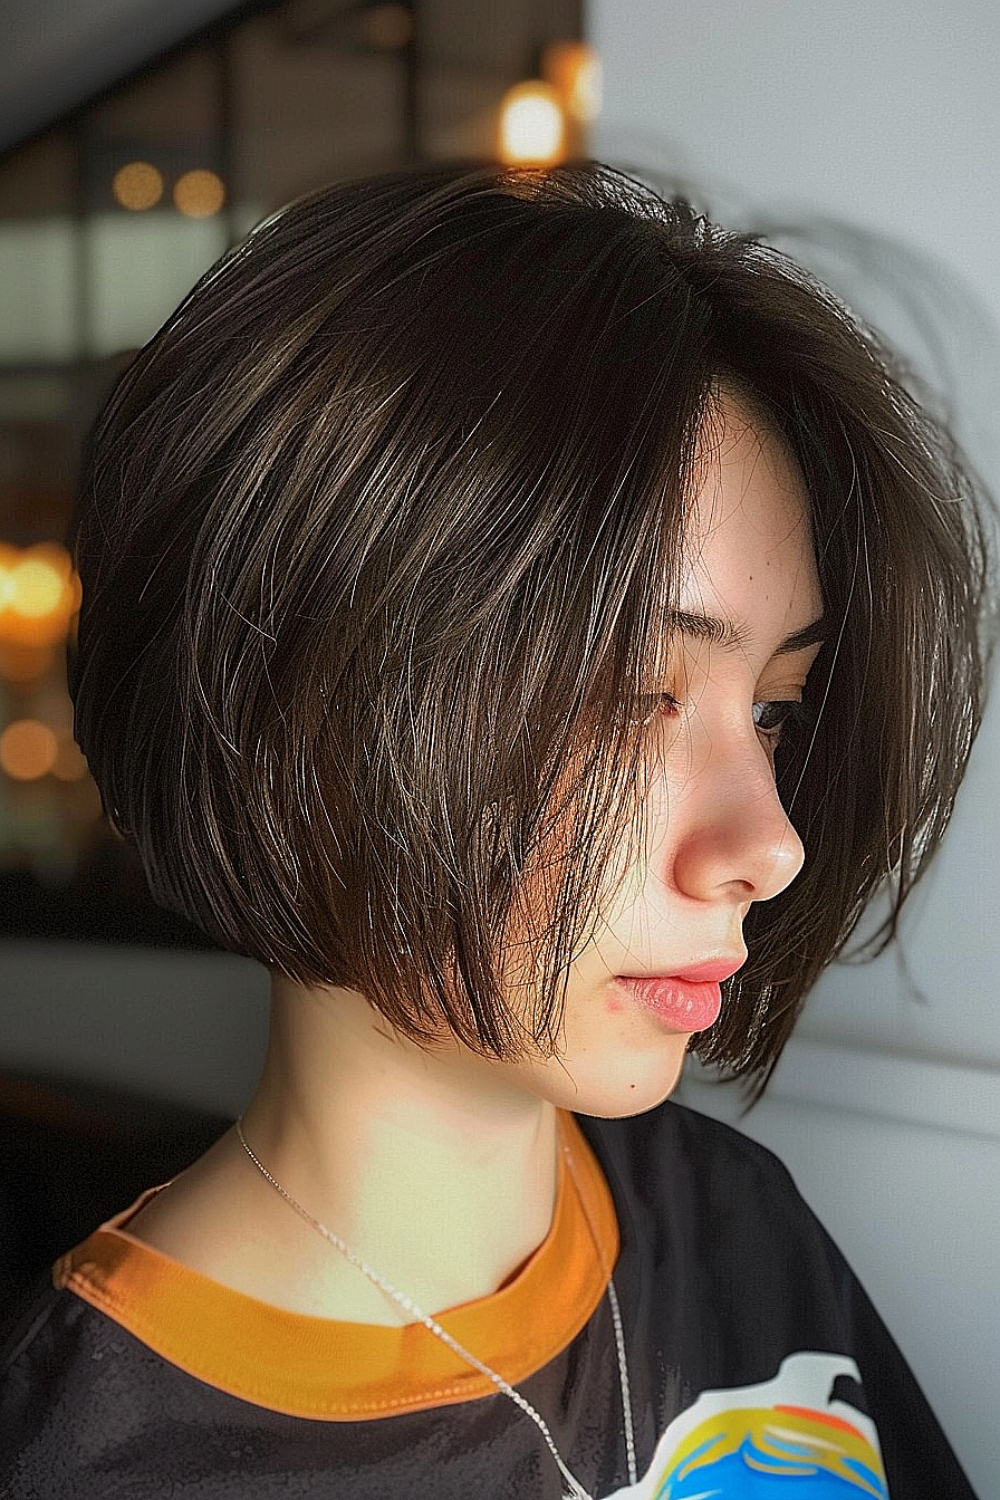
<point>28,749</point>
<point>532,125</point>
<point>574,70</point>
<point>137,185</point>
<point>25,663</point>
<point>199,194</point>
<point>39,594</point>
<point>34,587</point>
<point>70,763</point>
<point>386,27</point>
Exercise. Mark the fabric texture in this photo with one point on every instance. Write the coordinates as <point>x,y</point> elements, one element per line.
<point>758,1365</point>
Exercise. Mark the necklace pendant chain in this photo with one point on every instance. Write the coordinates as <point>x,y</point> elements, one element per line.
<point>576,1489</point>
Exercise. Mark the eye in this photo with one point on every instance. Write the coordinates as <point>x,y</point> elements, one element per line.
<point>775,717</point>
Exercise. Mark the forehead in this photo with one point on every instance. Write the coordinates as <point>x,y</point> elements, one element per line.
<point>749,546</point>
<point>744,465</point>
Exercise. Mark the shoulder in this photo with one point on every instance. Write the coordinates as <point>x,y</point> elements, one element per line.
<point>674,1162</point>
<point>678,1141</point>
<point>44,1338</point>
<point>56,1412</point>
<point>40,1347</point>
<point>34,1331</point>
<point>715,1220</point>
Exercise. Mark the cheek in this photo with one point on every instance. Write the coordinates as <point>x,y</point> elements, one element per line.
<point>612,1064</point>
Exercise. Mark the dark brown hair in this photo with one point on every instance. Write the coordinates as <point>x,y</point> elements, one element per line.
<point>380,534</point>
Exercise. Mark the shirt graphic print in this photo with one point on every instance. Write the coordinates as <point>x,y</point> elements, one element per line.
<point>783,1440</point>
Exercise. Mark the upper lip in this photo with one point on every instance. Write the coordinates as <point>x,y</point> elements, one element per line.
<point>712,971</point>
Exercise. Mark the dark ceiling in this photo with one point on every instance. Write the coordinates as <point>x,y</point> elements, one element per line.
<point>54,54</point>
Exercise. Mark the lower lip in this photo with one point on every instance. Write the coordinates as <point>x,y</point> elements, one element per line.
<point>680,1003</point>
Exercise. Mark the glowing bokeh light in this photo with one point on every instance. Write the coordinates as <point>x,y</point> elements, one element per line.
<point>28,749</point>
<point>35,588</point>
<point>138,185</point>
<point>39,594</point>
<point>199,194</point>
<point>532,124</point>
<point>574,69</point>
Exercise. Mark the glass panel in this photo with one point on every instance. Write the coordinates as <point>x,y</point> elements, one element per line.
<point>312,102</point>
<point>152,181</point>
<point>106,221</point>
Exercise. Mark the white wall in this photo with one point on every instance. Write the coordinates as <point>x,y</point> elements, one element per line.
<point>886,1105</point>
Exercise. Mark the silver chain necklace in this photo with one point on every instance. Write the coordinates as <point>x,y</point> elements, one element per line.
<point>576,1489</point>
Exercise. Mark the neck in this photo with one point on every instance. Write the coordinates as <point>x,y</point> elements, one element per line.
<point>436,1169</point>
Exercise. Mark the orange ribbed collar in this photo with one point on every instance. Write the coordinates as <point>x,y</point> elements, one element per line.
<point>319,1367</point>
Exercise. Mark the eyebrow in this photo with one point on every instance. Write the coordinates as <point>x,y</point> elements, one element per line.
<point>733,637</point>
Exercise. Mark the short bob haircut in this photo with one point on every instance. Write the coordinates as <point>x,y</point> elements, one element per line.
<point>380,538</point>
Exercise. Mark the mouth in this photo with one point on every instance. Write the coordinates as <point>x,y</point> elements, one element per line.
<point>712,972</point>
<point>681,1004</point>
<point>688,1000</point>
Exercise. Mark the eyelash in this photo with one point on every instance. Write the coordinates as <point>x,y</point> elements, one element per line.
<point>794,715</point>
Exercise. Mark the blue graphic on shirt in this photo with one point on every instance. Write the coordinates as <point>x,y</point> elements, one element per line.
<point>785,1439</point>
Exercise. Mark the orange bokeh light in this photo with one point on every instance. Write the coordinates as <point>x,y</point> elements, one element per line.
<point>574,69</point>
<point>532,125</point>
<point>199,194</point>
<point>138,185</point>
<point>39,594</point>
<point>28,749</point>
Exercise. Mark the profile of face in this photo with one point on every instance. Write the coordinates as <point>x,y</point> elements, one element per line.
<point>718,837</point>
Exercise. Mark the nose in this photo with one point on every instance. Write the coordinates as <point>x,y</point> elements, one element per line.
<point>731,838</point>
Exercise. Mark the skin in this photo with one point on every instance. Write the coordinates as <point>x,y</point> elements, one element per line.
<point>440,1169</point>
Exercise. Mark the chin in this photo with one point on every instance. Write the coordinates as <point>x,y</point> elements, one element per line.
<point>618,1092</point>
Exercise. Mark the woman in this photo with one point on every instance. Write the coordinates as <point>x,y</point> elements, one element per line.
<point>532,622</point>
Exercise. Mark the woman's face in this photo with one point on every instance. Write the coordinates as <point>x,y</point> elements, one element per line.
<point>718,838</point>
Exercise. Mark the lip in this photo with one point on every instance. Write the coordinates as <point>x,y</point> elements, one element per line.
<point>682,1005</point>
<point>711,972</point>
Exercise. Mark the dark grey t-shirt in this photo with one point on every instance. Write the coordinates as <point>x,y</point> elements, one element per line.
<point>757,1365</point>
